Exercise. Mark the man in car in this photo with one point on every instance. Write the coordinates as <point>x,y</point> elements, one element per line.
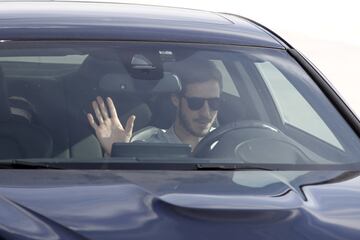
<point>197,107</point>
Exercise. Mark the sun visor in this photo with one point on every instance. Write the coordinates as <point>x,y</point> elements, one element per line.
<point>119,82</point>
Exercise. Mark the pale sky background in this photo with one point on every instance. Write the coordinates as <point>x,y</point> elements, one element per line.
<point>327,32</point>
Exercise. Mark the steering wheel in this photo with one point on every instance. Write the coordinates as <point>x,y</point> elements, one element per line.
<point>252,141</point>
<point>204,146</point>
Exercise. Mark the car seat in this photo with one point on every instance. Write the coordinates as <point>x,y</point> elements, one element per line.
<point>19,137</point>
<point>82,87</point>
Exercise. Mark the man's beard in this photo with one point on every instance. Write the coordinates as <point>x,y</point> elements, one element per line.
<point>185,123</point>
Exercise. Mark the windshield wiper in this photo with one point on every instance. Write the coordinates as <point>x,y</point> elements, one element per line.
<point>164,164</point>
<point>234,167</point>
<point>17,164</point>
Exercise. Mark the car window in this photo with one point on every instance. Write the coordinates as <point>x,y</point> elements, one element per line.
<point>292,107</point>
<point>40,66</point>
<point>228,84</point>
<point>68,59</point>
<point>165,102</point>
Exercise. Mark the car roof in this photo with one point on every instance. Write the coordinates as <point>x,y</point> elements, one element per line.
<point>62,20</point>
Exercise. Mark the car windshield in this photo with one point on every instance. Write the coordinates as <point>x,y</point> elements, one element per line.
<point>167,102</point>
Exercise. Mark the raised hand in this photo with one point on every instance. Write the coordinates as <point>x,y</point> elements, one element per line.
<point>109,128</point>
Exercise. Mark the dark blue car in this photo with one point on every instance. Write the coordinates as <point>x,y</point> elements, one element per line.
<point>123,121</point>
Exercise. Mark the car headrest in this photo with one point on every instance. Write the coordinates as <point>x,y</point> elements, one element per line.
<point>119,82</point>
<point>13,108</point>
<point>21,109</point>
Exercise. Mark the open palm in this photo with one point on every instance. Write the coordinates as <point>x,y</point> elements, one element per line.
<point>109,128</point>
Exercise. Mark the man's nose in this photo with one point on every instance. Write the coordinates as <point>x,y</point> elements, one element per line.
<point>205,110</point>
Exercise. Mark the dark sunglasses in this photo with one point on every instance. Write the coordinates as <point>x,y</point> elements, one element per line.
<point>196,103</point>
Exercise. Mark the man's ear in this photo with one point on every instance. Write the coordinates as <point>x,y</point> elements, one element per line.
<point>175,100</point>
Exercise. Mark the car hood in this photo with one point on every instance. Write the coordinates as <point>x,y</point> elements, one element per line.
<point>106,204</point>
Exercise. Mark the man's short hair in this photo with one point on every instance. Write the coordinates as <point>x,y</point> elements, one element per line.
<point>197,71</point>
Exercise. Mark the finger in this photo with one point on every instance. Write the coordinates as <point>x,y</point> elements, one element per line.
<point>111,106</point>
<point>91,121</point>
<point>97,112</point>
<point>130,124</point>
<point>103,110</point>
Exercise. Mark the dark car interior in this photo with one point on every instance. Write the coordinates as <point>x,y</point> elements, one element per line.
<point>21,135</point>
<point>56,98</point>
<point>44,103</point>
